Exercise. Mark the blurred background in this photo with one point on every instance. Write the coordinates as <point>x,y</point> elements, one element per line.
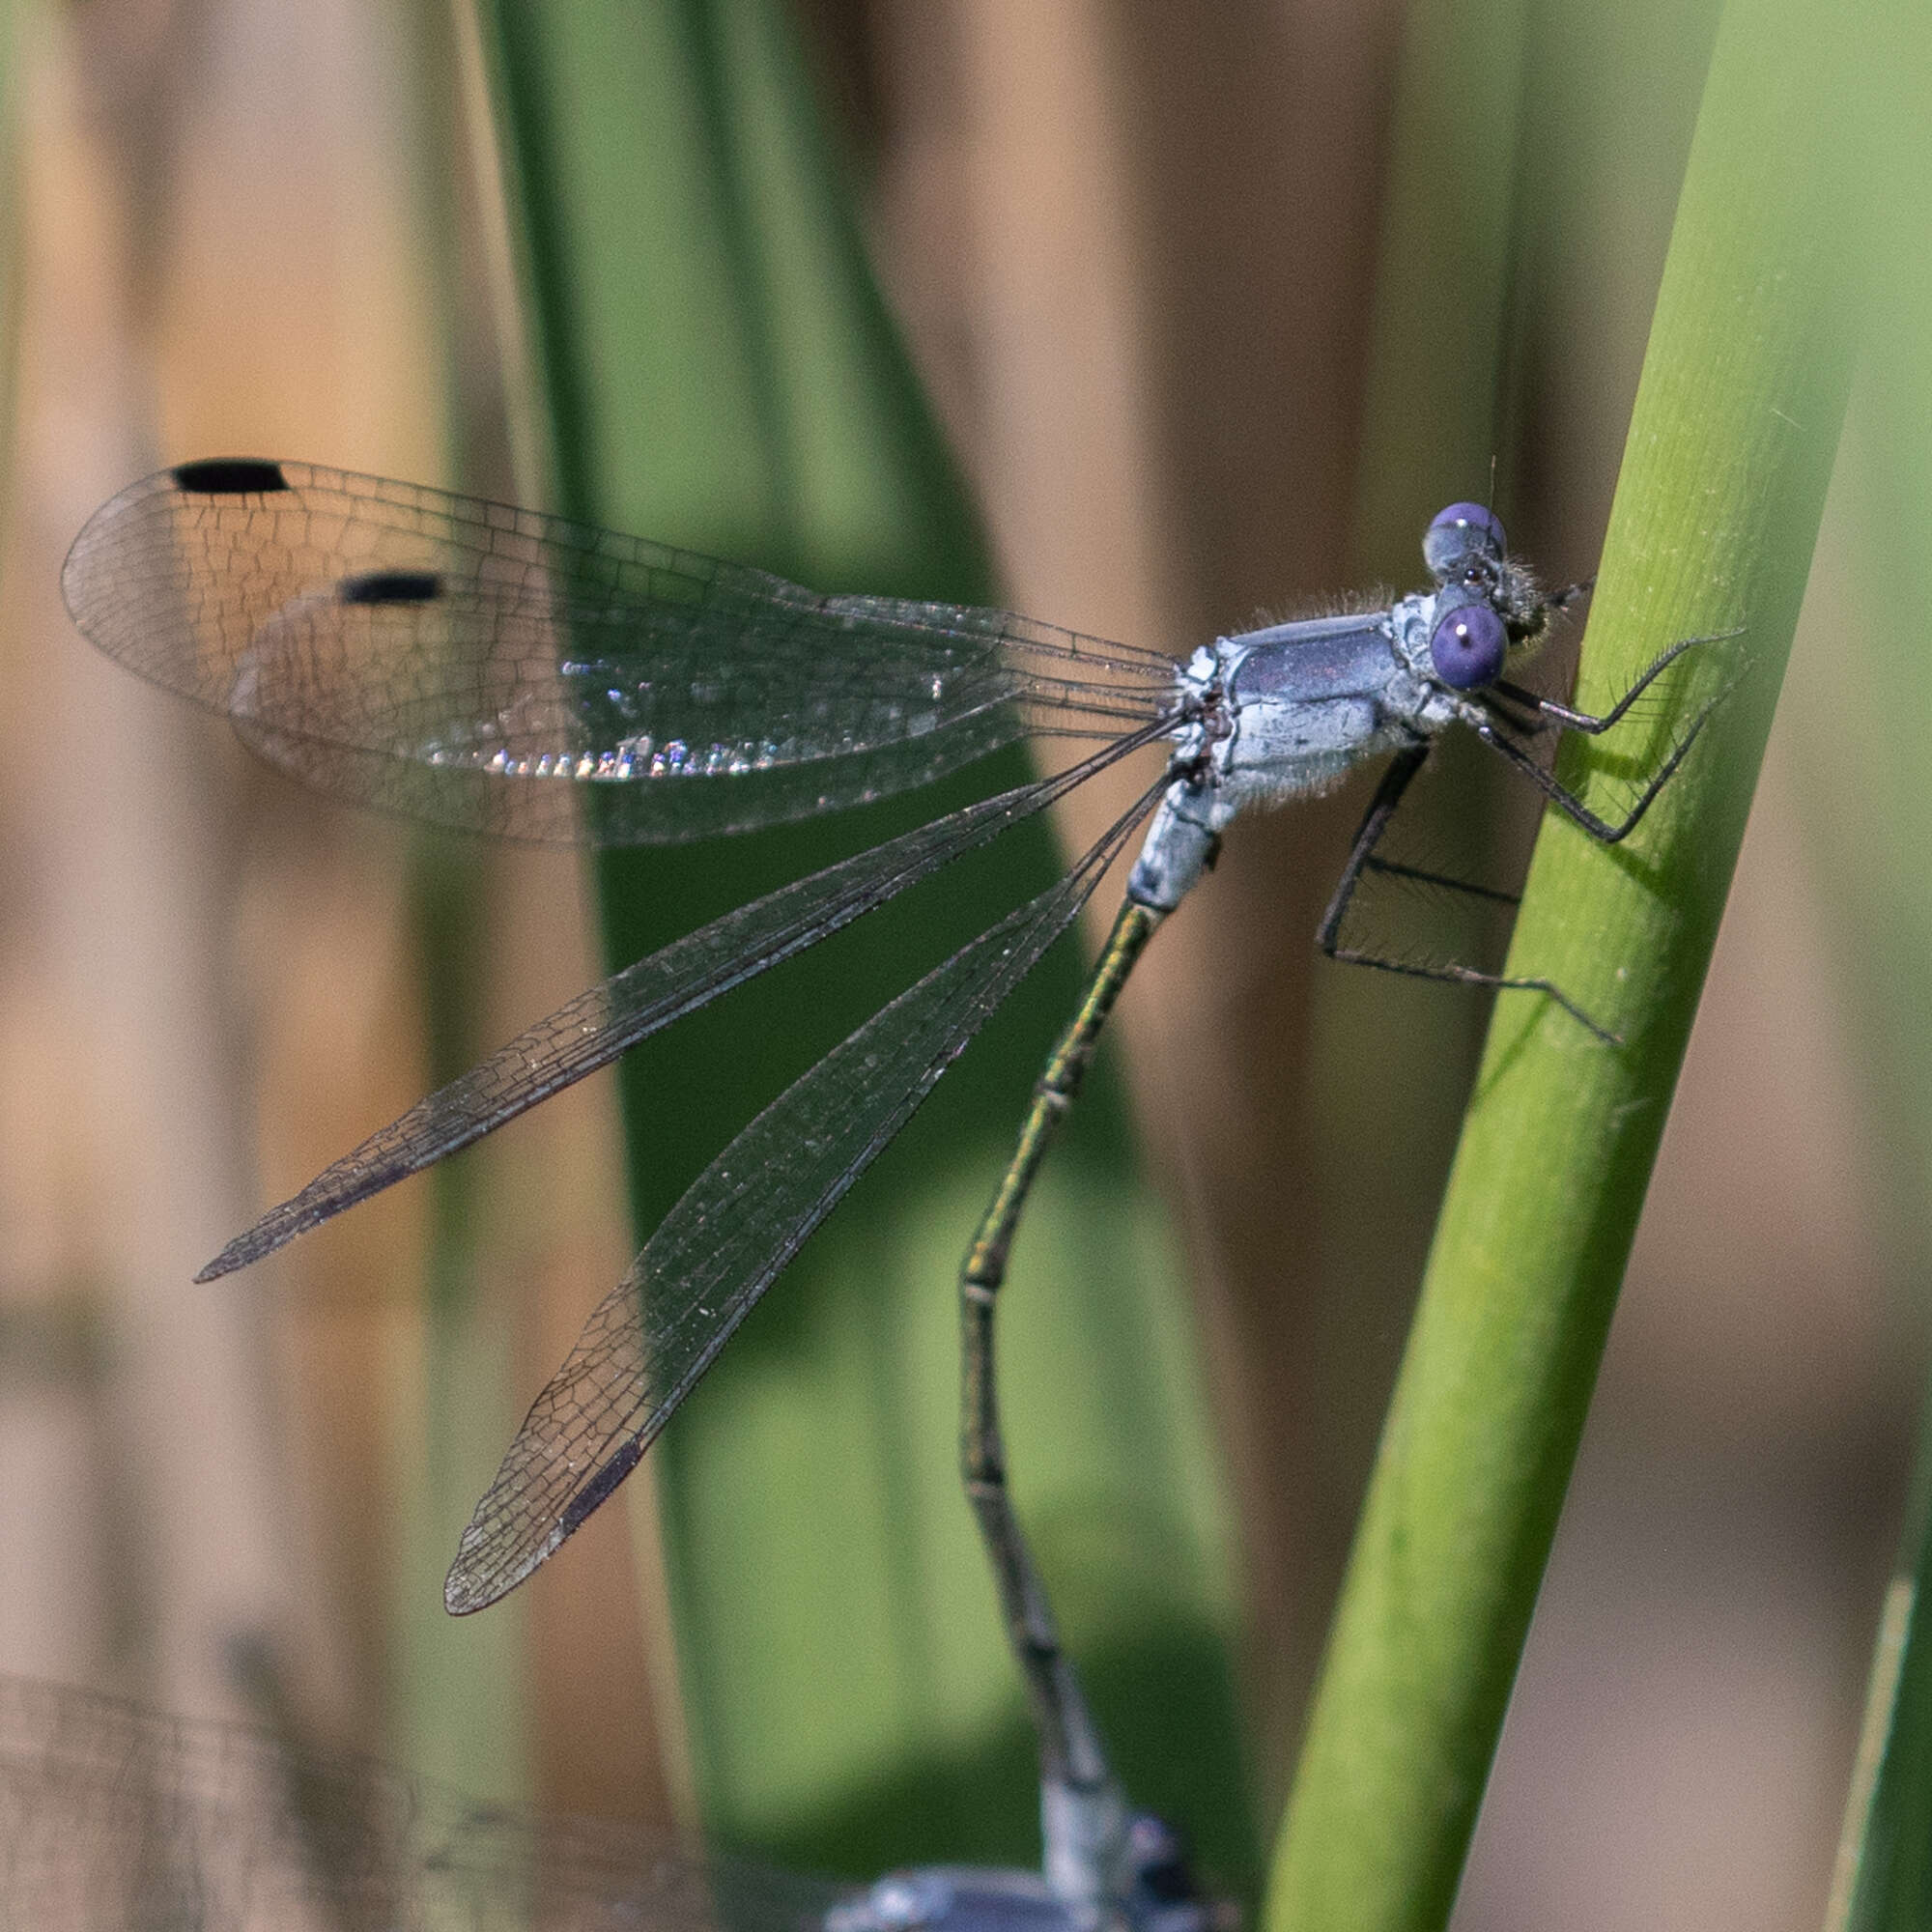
<point>1217,306</point>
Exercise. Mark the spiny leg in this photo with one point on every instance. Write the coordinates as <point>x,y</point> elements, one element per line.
<point>1485,725</point>
<point>1536,624</point>
<point>1074,1760</point>
<point>1550,712</point>
<point>1395,782</point>
<point>1604,831</point>
<point>1394,868</point>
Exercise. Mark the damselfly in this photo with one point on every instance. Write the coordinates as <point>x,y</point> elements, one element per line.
<point>494,668</point>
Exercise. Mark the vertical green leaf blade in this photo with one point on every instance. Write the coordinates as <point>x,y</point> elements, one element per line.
<point>715,368</point>
<point>1883,1882</point>
<point>1735,426</point>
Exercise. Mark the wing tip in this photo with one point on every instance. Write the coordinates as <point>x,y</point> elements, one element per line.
<point>325,1197</point>
<point>492,1561</point>
<point>474,1581</point>
<point>277,1229</point>
<point>462,1594</point>
<point>247,1247</point>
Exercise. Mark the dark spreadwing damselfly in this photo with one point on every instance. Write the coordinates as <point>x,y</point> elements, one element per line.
<point>490,667</point>
<point>114,1818</point>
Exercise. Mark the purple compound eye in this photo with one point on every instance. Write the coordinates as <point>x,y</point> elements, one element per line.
<point>1459,536</point>
<point>1466,646</point>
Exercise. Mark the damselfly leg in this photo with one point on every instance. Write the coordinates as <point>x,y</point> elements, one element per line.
<point>1490,717</point>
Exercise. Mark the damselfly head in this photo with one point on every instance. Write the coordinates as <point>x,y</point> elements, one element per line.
<point>1489,609</point>
<point>1464,544</point>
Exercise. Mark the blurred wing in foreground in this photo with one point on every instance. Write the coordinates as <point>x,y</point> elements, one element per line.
<point>115,1817</point>
<point>492,669</point>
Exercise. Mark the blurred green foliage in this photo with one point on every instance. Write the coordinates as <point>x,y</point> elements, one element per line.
<point>715,368</point>
<point>1869,718</point>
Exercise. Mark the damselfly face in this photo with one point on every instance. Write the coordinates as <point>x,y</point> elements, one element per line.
<point>1502,617</point>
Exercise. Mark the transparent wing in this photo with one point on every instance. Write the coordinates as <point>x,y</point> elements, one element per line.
<point>493,669</point>
<point>741,1221</point>
<point>116,1817</point>
<point>597,1026</point>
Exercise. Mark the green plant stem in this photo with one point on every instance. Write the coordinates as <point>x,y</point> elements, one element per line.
<point>1883,1879</point>
<point>1716,511</point>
